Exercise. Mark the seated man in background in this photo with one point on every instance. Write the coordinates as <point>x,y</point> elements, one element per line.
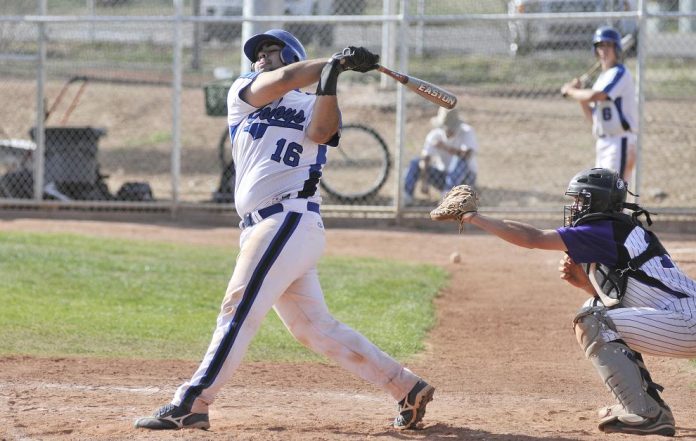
<point>448,157</point>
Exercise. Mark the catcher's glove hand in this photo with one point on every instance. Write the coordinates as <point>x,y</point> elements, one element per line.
<point>456,204</point>
<point>358,59</point>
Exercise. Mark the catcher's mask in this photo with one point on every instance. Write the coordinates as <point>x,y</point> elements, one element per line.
<point>596,190</point>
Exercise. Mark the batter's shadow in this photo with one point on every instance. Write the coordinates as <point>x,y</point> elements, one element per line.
<point>442,431</point>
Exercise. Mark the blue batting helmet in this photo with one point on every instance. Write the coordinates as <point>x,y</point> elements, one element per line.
<point>607,33</point>
<point>292,50</point>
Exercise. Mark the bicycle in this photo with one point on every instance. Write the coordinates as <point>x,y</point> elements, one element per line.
<point>356,171</point>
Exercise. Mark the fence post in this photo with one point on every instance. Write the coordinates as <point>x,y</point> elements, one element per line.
<point>401,110</point>
<point>640,96</point>
<point>196,49</point>
<point>176,103</point>
<point>39,156</point>
<point>420,29</point>
<point>687,24</point>
<point>388,42</point>
<point>253,8</point>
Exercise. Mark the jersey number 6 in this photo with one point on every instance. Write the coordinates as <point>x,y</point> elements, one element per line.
<point>292,154</point>
<point>606,113</point>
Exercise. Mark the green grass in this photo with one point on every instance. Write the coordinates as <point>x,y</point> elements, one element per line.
<point>71,295</point>
<point>154,138</point>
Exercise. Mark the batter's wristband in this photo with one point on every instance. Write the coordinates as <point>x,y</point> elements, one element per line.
<point>329,78</point>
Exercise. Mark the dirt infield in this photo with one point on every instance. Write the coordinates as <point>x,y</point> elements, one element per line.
<point>502,357</point>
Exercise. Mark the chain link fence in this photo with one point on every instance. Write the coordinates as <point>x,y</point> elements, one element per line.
<point>134,109</point>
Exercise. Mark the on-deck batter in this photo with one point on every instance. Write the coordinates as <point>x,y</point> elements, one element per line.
<point>641,302</point>
<point>610,104</point>
<point>279,146</point>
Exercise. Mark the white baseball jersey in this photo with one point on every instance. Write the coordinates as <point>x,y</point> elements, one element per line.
<point>619,114</point>
<point>272,155</point>
<point>278,170</point>
<point>657,314</point>
<point>464,139</point>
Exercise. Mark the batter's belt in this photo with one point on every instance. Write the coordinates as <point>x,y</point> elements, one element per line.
<point>298,205</point>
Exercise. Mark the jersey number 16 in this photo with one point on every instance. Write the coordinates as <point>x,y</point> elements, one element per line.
<point>292,154</point>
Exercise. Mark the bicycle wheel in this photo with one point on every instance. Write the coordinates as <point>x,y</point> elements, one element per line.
<point>224,149</point>
<point>359,167</point>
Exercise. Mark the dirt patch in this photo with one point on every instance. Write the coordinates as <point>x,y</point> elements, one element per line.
<point>502,357</point>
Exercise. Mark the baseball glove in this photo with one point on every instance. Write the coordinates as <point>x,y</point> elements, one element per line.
<point>459,201</point>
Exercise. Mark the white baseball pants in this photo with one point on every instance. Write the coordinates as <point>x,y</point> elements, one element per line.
<point>276,267</point>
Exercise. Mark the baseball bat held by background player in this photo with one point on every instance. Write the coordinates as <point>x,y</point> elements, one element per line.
<point>429,91</point>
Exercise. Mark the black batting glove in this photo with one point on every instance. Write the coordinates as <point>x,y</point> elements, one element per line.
<point>353,58</point>
<point>357,59</point>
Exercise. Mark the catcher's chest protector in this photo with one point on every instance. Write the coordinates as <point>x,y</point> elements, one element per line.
<point>610,283</point>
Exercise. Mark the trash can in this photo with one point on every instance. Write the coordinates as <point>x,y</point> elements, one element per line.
<point>216,97</point>
<point>71,154</point>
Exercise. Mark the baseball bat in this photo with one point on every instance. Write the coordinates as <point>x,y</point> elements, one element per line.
<point>627,42</point>
<point>429,91</point>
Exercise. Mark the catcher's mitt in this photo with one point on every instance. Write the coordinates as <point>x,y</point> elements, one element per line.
<point>459,201</point>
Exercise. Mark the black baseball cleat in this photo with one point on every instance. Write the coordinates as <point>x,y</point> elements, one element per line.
<point>171,417</point>
<point>662,424</point>
<point>412,407</point>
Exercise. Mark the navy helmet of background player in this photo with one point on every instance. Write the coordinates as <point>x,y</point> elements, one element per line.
<point>640,301</point>
<point>610,104</point>
<point>279,136</point>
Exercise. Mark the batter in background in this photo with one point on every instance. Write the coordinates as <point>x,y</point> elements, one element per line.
<point>448,157</point>
<point>280,137</point>
<point>610,104</point>
<point>639,300</point>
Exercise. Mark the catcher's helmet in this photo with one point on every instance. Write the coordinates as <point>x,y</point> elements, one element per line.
<point>595,190</point>
<point>292,50</point>
<point>607,33</point>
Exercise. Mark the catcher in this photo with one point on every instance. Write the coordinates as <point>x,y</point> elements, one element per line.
<point>640,301</point>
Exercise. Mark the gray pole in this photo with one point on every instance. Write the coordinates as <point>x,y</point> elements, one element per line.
<point>687,24</point>
<point>176,103</point>
<point>40,132</point>
<point>640,96</point>
<point>388,42</point>
<point>90,6</point>
<point>401,111</point>
<point>253,8</point>
<point>196,49</point>
<point>420,29</point>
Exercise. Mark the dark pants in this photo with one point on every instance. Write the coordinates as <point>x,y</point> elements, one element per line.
<point>443,181</point>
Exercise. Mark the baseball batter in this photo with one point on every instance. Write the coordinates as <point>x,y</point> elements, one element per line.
<point>610,104</point>
<point>640,301</point>
<point>280,137</point>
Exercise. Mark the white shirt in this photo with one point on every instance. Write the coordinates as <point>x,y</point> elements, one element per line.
<point>619,114</point>
<point>464,139</point>
<point>272,154</point>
